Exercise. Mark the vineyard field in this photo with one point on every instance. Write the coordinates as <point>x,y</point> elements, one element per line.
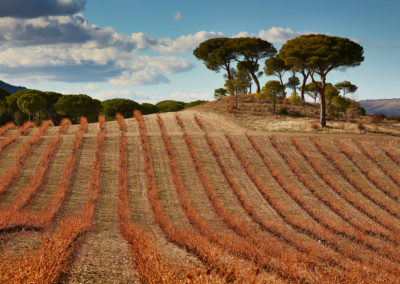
<point>191,197</point>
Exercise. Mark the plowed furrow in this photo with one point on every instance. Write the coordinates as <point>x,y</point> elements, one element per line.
<point>355,177</point>
<point>229,218</point>
<point>9,154</point>
<point>370,171</point>
<point>165,185</point>
<point>36,181</point>
<point>50,260</point>
<point>54,175</point>
<point>141,209</point>
<point>393,153</point>
<point>380,170</point>
<point>330,174</point>
<point>344,229</point>
<point>14,135</point>
<point>226,216</point>
<point>190,240</point>
<point>5,128</point>
<point>376,153</point>
<point>326,194</point>
<point>28,168</point>
<point>78,189</point>
<point>103,255</point>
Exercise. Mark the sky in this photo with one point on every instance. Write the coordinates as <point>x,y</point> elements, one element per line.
<point>143,50</point>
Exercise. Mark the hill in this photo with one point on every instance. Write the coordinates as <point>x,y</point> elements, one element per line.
<point>193,196</point>
<point>258,115</point>
<point>10,88</point>
<point>387,107</point>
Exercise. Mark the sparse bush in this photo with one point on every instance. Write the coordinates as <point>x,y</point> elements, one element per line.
<point>377,117</point>
<point>275,90</point>
<point>230,107</point>
<point>361,126</point>
<point>295,99</point>
<point>296,113</point>
<point>220,93</point>
<point>394,117</point>
<point>283,110</point>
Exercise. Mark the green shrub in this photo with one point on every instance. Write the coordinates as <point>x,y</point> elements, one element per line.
<point>147,108</point>
<point>295,100</point>
<point>195,103</point>
<point>220,93</point>
<point>122,106</point>
<point>170,105</point>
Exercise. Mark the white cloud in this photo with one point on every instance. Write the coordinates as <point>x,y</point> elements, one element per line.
<point>177,16</point>
<point>143,77</point>
<point>279,34</point>
<point>244,34</point>
<point>68,48</point>
<point>274,34</point>
<point>184,43</point>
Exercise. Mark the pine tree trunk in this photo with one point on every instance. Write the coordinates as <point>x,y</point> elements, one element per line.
<point>323,104</point>
<point>255,79</point>
<point>229,74</point>
<point>274,103</point>
<point>303,86</point>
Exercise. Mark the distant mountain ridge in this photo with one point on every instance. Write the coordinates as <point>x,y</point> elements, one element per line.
<point>387,107</point>
<point>10,88</point>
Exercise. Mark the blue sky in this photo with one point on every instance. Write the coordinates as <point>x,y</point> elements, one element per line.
<point>142,50</point>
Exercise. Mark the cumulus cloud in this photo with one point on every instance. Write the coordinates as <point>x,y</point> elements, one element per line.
<point>39,8</point>
<point>142,77</point>
<point>72,50</point>
<point>177,16</point>
<point>75,29</point>
<point>244,34</point>
<point>68,48</point>
<point>62,29</point>
<point>184,43</point>
<point>274,34</point>
<point>279,35</point>
<point>78,63</point>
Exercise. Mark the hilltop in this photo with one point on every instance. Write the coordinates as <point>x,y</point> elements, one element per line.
<point>256,115</point>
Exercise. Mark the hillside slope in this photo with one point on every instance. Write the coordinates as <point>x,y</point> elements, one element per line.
<point>258,115</point>
<point>387,107</point>
<point>194,196</point>
<point>10,88</point>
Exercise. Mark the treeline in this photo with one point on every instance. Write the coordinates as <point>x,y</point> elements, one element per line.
<point>34,105</point>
